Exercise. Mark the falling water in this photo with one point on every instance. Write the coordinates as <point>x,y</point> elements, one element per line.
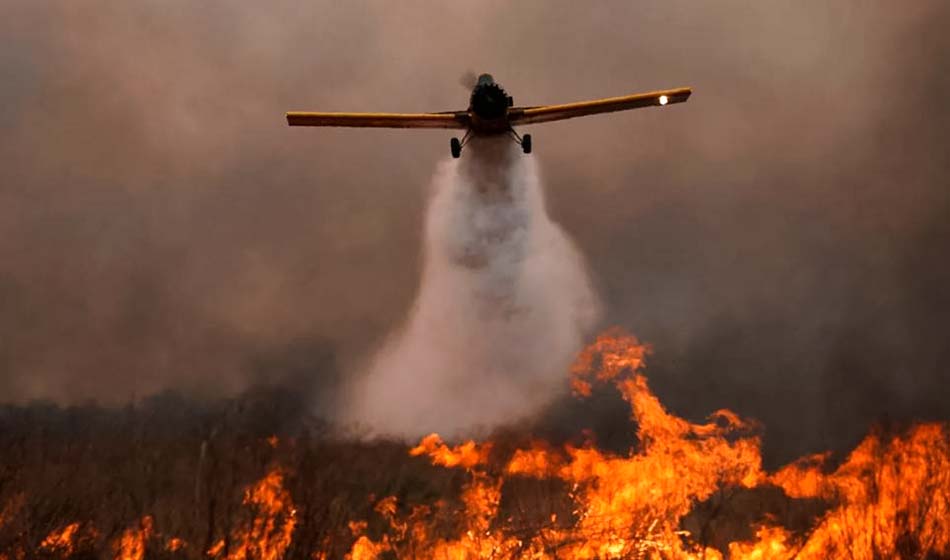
<point>504,304</point>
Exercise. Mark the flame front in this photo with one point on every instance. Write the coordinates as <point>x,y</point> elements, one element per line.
<point>890,498</point>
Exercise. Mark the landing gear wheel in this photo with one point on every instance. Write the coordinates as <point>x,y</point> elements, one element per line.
<point>456,146</point>
<point>526,143</point>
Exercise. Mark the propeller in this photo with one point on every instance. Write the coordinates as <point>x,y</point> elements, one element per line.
<point>468,79</point>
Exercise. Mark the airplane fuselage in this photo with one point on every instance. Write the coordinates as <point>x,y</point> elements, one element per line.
<point>489,106</point>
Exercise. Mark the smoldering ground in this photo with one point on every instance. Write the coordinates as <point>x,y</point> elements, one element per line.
<point>781,239</point>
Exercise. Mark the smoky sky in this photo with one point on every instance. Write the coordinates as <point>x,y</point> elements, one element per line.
<point>781,239</point>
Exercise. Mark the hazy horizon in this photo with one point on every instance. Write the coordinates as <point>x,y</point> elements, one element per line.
<point>781,239</point>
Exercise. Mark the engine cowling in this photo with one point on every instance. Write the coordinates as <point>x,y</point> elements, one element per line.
<point>490,101</point>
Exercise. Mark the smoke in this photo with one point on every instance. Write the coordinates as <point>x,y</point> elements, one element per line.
<point>503,306</point>
<point>781,239</point>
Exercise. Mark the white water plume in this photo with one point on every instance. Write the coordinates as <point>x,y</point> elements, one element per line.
<point>504,304</point>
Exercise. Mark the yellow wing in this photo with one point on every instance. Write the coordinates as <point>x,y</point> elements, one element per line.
<point>452,119</point>
<point>530,115</point>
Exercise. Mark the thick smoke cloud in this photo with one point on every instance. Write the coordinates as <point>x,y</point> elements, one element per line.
<point>504,305</point>
<point>781,239</point>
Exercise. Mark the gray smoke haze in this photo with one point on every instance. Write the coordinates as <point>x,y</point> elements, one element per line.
<point>781,239</point>
<point>504,305</point>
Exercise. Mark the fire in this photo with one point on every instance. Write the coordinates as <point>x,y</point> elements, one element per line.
<point>131,546</point>
<point>61,541</point>
<point>175,544</point>
<point>894,496</point>
<point>466,455</point>
<point>271,527</point>
<point>890,498</point>
<point>616,352</point>
<point>266,536</point>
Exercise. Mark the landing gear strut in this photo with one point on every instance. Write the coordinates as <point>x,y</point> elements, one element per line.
<point>523,141</point>
<point>456,145</point>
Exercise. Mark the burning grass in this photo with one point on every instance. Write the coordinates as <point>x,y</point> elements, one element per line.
<point>686,491</point>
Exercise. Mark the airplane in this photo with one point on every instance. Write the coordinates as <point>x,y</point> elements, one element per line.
<point>491,111</point>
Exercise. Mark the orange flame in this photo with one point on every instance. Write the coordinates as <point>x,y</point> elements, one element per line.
<point>175,544</point>
<point>466,455</point>
<point>890,498</point>
<point>893,495</point>
<point>271,528</point>
<point>618,353</point>
<point>131,545</point>
<point>61,541</point>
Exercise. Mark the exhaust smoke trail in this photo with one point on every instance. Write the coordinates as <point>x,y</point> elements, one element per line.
<point>504,304</point>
